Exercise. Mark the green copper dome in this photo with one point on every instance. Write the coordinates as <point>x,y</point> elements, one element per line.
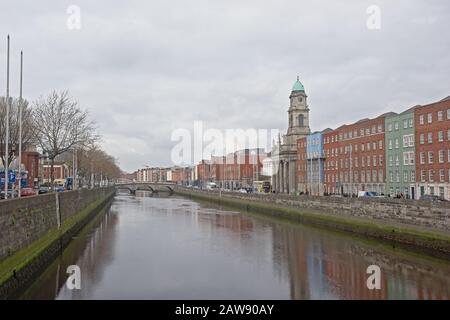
<point>298,86</point>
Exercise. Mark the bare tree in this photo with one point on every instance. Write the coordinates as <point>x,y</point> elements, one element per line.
<point>28,132</point>
<point>60,125</point>
<point>94,161</point>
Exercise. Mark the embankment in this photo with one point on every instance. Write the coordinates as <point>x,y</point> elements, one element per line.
<point>421,226</point>
<point>34,230</point>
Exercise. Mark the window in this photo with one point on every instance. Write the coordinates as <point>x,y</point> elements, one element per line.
<point>362,146</point>
<point>391,176</point>
<point>380,160</point>
<point>380,176</point>
<point>380,128</point>
<point>441,175</point>
<point>413,176</point>
<point>361,132</point>
<point>397,162</point>
<point>448,134</point>
<point>411,123</point>
<point>441,136</point>
<point>441,156</point>
<point>431,175</point>
<point>374,160</point>
<point>430,157</point>
<point>405,124</point>
<point>390,127</point>
<point>422,138</point>
<point>368,146</point>
<point>408,140</point>
<point>374,129</point>
<point>422,176</point>
<point>408,158</point>
<point>390,144</point>
<point>301,120</point>
<point>421,120</point>
<point>396,143</point>
<point>422,158</point>
<point>448,156</point>
<point>405,176</point>
<point>356,148</point>
<point>368,161</point>
<point>430,118</point>
<point>440,115</point>
<point>374,145</point>
<point>397,176</point>
<point>448,114</point>
<point>396,125</point>
<point>390,161</point>
<point>367,131</point>
<point>380,144</point>
<point>430,137</point>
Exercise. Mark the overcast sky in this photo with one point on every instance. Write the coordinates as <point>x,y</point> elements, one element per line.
<point>145,68</point>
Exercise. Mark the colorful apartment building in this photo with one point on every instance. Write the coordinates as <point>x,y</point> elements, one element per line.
<point>432,135</point>
<point>400,154</point>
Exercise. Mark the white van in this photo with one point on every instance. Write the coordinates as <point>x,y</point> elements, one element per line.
<point>211,186</point>
<point>368,194</point>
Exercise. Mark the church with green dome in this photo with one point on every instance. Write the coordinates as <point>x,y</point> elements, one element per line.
<point>284,153</point>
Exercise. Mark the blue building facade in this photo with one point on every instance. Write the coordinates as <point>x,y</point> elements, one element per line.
<point>315,163</point>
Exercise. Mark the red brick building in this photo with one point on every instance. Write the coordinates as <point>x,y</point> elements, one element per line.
<point>60,172</point>
<point>30,160</point>
<point>354,157</point>
<point>235,170</point>
<point>302,165</point>
<point>432,136</point>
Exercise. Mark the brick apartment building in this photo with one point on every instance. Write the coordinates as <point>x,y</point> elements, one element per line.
<point>432,135</point>
<point>302,166</point>
<point>235,170</point>
<point>60,172</point>
<point>354,157</point>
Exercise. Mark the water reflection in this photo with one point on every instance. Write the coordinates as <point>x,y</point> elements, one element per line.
<point>160,247</point>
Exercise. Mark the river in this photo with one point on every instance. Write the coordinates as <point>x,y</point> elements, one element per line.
<point>149,247</point>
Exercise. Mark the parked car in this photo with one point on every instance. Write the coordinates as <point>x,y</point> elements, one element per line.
<point>43,189</point>
<point>59,188</point>
<point>243,190</point>
<point>11,194</point>
<point>369,194</point>
<point>433,198</point>
<point>24,192</point>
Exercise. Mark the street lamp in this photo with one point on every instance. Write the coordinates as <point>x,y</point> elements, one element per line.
<point>20,124</point>
<point>7,121</point>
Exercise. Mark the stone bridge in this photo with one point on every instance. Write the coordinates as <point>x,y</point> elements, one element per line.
<point>154,187</point>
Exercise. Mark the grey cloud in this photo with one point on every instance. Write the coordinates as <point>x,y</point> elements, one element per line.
<point>144,69</point>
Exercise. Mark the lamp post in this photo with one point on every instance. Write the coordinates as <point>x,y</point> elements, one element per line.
<point>7,121</point>
<point>20,124</point>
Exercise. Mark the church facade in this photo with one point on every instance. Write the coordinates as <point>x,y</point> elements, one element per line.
<point>284,152</point>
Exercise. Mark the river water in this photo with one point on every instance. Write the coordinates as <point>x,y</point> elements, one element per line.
<point>148,247</point>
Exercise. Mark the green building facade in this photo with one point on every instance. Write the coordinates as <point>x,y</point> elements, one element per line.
<point>400,154</point>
